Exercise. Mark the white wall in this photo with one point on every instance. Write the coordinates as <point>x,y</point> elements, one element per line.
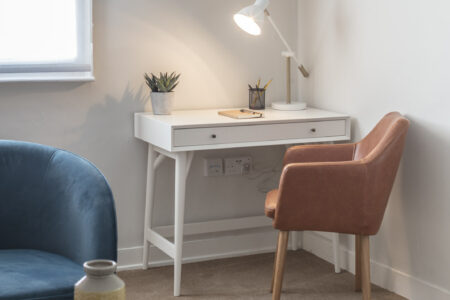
<point>371,57</point>
<point>217,60</point>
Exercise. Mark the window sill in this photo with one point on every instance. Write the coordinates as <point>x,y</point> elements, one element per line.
<point>48,77</point>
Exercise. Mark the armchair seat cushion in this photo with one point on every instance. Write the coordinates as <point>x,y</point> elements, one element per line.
<point>271,203</point>
<point>33,274</point>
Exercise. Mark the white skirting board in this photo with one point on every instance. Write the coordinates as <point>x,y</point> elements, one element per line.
<point>382,275</point>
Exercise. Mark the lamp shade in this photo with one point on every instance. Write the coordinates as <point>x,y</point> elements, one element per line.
<point>251,18</point>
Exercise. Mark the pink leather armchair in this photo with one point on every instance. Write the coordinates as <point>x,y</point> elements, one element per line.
<point>338,188</point>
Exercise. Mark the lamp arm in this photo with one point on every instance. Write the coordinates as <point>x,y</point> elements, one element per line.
<point>301,68</point>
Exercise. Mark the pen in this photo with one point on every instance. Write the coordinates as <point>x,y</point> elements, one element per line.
<point>267,85</point>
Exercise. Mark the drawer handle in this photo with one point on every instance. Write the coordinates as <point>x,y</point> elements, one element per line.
<point>313,130</point>
<point>213,136</point>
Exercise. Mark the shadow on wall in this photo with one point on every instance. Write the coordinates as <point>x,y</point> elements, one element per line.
<point>420,187</point>
<point>355,131</point>
<point>107,139</point>
<point>424,188</point>
<point>109,124</point>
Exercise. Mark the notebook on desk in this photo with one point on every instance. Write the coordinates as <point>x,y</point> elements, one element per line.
<point>241,114</point>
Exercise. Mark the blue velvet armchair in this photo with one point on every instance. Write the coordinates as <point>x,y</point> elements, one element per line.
<point>56,212</point>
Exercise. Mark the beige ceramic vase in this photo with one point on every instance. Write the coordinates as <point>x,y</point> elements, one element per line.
<point>100,282</point>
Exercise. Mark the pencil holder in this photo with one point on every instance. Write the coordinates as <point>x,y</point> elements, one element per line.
<point>257,99</point>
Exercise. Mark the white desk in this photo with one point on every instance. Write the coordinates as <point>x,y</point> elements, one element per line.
<point>179,135</point>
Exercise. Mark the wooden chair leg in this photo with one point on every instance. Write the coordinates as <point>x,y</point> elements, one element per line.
<point>357,263</point>
<point>365,267</point>
<point>274,268</point>
<point>283,237</point>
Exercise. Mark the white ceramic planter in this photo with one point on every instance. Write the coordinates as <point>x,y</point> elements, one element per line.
<point>100,282</point>
<point>162,103</point>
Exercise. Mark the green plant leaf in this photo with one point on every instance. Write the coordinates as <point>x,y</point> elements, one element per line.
<point>165,83</point>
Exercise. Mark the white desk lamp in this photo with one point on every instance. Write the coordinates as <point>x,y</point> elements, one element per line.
<point>250,19</point>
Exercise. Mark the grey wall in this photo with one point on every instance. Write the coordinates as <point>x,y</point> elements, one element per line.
<point>195,37</point>
<point>371,57</point>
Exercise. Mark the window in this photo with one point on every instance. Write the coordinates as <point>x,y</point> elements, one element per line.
<point>46,40</point>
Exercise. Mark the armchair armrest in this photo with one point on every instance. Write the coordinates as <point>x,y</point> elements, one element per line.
<point>319,153</point>
<point>323,196</point>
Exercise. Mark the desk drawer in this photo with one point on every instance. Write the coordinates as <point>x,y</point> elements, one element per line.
<point>257,133</point>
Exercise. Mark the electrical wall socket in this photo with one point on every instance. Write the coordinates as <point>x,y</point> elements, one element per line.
<point>238,165</point>
<point>213,166</point>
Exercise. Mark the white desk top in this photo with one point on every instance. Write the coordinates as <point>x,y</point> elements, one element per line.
<point>189,130</point>
<point>211,118</point>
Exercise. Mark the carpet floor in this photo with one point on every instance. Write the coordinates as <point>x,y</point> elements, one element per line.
<point>306,277</point>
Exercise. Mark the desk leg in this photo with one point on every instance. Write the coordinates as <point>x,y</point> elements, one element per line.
<point>180,191</point>
<point>149,199</point>
<point>337,263</point>
<point>294,240</point>
<point>336,252</point>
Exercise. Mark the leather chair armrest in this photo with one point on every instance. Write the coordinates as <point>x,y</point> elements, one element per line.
<point>319,153</point>
<point>322,196</point>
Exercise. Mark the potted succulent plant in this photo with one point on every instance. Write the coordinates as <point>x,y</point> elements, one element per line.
<point>162,93</point>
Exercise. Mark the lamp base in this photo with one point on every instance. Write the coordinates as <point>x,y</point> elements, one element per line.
<point>289,106</point>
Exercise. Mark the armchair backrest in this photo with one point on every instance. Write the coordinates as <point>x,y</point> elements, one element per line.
<point>54,201</point>
<point>393,126</point>
<point>381,151</point>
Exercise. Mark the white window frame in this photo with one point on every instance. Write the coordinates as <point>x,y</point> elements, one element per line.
<point>82,69</point>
